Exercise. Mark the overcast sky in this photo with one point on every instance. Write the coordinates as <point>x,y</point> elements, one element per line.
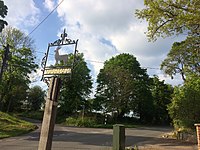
<point>105,28</point>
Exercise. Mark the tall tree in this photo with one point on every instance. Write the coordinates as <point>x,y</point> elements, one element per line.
<point>123,87</point>
<point>35,98</point>
<point>76,89</point>
<point>162,95</point>
<point>169,17</point>
<point>19,65</point>
<point>3,13</point>
<point>183,58</point>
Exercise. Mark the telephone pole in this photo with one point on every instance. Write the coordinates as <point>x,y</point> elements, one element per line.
<point>4,60</point>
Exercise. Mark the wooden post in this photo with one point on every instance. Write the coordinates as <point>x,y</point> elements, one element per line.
<point>118,137</point>
<point>49,117</point>
<point>198,134</point>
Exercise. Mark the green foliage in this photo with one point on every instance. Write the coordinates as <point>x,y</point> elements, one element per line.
<point>37,115</point>
<point>80,122</point>
<point>3,13</point>
<point>20,64</point>
<point>162,95</point>
<point>185,106</point>
<point>11,126</point>
<point>173,17</point>
<point>92,122</point>
<point>169,17</point>
<point>35,98</point>
<point>123,87</point>
<point>183,58</point>
<point>76,89</point>
<point>71,121</point>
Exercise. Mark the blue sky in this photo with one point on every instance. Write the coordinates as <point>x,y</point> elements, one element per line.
<point>104,29</point>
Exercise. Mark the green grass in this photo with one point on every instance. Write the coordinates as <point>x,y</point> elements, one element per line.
<point>11,126</point>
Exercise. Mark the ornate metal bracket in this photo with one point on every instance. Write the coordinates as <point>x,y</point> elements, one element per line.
<point>64,40</point>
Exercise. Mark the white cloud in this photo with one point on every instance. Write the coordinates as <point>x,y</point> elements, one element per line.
<point>175,81</point>
<point>107,28</point>
<point>91,21</point>
<point>22,13</point>
<point>99,17</point>
<point>114,22</point>
<point>49,4</point>
<point>104,29</point>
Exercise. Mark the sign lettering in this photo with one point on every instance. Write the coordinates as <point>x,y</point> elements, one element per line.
<point>57,71</point>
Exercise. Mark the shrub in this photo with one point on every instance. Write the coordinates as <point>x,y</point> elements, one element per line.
<point>85,122</point>
<point>80,122</point>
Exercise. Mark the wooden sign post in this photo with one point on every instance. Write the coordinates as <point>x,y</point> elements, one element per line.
<point>54,72</point>
<point>49,118</point>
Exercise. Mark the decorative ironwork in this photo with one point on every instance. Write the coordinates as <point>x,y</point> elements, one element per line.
<point>43,61</point>
<point>47,72</point>
<point>63,41</point>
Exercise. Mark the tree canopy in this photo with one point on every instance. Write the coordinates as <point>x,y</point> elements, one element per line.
<point>35,98</point>
<point>162,95</point>
<point>185,106</point>
<point>76,89</point>
<point>122,87</point>
<point>169,17</point>
<point>3,13</point>
<point>20,64</point>
<point>183,58</point>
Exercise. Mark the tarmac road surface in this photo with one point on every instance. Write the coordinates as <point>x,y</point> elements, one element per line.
<point>73,138</point>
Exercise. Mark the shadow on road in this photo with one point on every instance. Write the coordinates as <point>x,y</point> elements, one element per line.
<point>101,139</point>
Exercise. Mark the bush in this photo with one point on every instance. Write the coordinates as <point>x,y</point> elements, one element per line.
<point>71,121</point>
<point>85,122</point>
<point>80,122</point>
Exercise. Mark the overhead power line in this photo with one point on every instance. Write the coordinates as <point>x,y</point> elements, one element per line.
<point>45,18</point>
<point>101,62</point>
<point>53,54</point>
<point>151,68</point>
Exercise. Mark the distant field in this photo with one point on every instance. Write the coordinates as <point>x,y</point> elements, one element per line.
<point>12,126</point>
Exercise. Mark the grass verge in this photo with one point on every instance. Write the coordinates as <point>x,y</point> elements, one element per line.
<point>11,126</point>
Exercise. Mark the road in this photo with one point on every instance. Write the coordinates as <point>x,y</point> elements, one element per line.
<point>73,138</point>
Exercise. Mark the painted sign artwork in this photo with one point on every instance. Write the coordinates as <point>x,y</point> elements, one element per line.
<point>56,59</point>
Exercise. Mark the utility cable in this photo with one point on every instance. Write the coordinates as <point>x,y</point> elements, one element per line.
<point>45,17</point>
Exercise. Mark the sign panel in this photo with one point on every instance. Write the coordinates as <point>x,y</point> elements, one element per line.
<point>57,71</point>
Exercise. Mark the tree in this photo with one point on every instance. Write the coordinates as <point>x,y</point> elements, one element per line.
<point>19,65</point>
<point>162,95</point>
<point>185,106</point>
<point>35,98</point>
<point>123,87</point>
<point>169,17</point>
<point>3,13</point>
<point>183,58</point>
<point>75,89</point>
